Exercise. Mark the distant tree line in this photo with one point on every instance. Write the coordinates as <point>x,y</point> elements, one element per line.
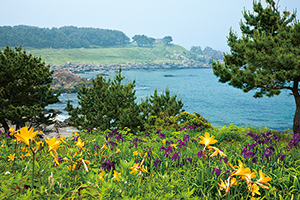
<point>208,52</point>
<point>144,41</point>
<point>64,37</point>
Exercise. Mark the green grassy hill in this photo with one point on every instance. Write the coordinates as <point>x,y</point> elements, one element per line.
<point>130,53</point>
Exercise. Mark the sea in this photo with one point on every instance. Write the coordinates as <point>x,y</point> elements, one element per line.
<point>220,103</point>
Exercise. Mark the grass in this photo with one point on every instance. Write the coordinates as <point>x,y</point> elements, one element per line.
<point>119,55</point>
<point>166,164</point>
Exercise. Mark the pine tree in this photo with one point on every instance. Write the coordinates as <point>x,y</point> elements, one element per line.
<point>24,89</point>
<point>267,56</point>
<point>163,104</point>
<point>107,104</point>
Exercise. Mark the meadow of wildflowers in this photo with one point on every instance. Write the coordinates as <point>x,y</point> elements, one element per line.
<point>191,163</point>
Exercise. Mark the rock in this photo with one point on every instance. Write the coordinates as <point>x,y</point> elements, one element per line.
<point>169,76</point>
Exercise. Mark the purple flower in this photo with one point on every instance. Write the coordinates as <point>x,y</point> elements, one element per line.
<point>275,137</point>
<point>216,171</point>
<point>119,136</point>
<point>244,150</point>
<point>110,135</point>
<point>223,158</point>
<point>157,132</point>
<point>149,152</point>
<point>162,135</point>
<point>194,140</point>
<point>147,135</point>
<point>162,148</point>
<point>200,154</point>
<point>112,143</point>
<point>254,159</point>
<point>189,159</point>
<point>89,131</point>
<point>7,134</point>
<point>108,165</point>
<point>248,154</point>
<point>135,141</point>
<point>251,146</point>
<point>186,137</point>
<point>182,129</point>
<point>281,156</point>
<point>96,147</point>
<point>227,171</point>
<point>180,143</point>
<point>168,151</point>
<point>75,139</point>
<point>156,163</point>
<point>175,156</point>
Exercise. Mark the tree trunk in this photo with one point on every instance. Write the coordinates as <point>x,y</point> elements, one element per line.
<point>296,123</point>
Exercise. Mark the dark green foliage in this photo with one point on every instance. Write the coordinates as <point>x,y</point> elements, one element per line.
<point>64,37</point>
<point>184,119</point>
<point>143,40</point>
<point>167,39</point>
<point>106,104</point>
<point>24,88</point>
<point>266,57</point>
<point>157,104</point>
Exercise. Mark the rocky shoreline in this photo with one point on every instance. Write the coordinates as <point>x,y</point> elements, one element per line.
<point>81,68</point>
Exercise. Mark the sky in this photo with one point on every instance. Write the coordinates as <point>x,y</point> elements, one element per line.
<point>189,22</point>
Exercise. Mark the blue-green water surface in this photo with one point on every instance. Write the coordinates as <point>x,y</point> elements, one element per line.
<point>201,92</point>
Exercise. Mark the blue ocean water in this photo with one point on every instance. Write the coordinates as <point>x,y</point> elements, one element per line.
<point>201,92</point>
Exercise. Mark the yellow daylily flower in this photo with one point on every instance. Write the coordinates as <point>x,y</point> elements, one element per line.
<point>23,149</point>
<point>25,135</point>
<point>103,147</point>
<point>173,146</point>
<point>27,155</point>
<point>135,153</point>
<point>116,176</point>
<point>253,198</point>
<point>72,167</point>
<point>55,156</point>
<point>245,173</point>
<point>80,143</point>
<point>207,140</point>
<point>53,144</point>
<point>227,184</point>
<point>217,152</point>
<point>118,150</point>
<point>11,157</point>
<point>135,168</point>
<point>62,139</point>
<point>11,130</point>
<point>222,185</point>
<point>254,190</point>
<point>22,157</point>
<point>263,180</point>
<point>101,176</point>
<point>164,141</point>
<point>75,134</point>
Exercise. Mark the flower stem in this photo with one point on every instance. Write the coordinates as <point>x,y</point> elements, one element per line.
<point>32,181</point>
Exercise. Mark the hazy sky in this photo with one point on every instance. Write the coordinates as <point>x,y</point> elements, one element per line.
<point>189,22</point>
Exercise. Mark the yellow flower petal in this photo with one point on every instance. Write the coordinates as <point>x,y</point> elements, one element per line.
<point>263,180</point>
<point>25,135</point>
<point>11,157</point>
<point>207,140</point>
<point>254,190</point>
<point>53,144</point>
